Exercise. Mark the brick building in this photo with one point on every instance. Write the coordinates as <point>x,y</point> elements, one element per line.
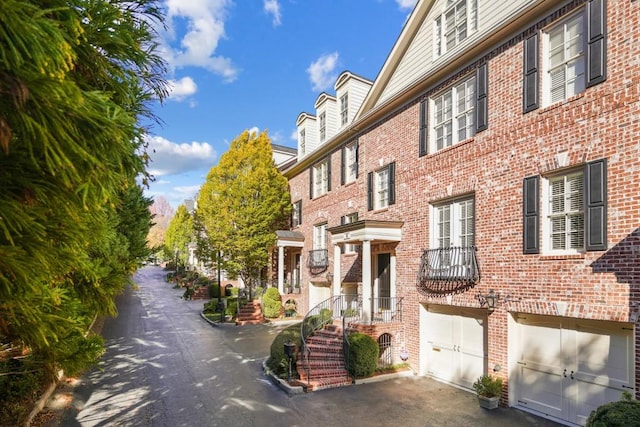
<point>485,187</point>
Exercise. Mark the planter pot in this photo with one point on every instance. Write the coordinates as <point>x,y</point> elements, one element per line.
<point>489,402</point>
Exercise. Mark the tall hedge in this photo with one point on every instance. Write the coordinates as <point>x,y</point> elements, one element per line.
<point>363,355</point>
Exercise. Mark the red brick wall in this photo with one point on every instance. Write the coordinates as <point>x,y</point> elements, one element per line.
<point>602,122</point>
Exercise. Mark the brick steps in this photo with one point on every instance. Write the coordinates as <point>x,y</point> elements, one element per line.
<point>323,367</point>
<point>250,314</point>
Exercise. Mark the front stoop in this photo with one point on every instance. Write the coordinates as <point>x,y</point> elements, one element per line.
<point>250,314</point>
<point>325,366</point>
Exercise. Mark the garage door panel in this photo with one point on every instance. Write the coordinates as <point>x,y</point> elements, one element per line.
<point>541,391</point>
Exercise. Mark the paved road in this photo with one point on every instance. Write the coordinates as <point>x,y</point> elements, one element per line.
<point>166,366</point>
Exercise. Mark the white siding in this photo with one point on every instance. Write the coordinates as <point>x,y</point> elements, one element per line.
<point>418,60</point>
<point>327,104</point>
<point>357,89</point>
<point>307,123</point>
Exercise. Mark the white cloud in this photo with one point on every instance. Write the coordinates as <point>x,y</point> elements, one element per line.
<point>169,158</point>
<point>204,21</point>
<point>182,89</point>
<point>322,72</point>
<point>272,7</point>
<point>406,4</point>
<point>294,135</point>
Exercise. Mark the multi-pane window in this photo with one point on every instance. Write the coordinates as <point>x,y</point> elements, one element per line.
<point>351,162</point>
<point>350,248</point>
<point>344,109</point>
<point>565,214</point>
<point>454,114</point>
<point>320,236</point>
<point>303,142</point>
<point>455,224</point>
<point>565,59</point>
<point>296,214</point>
<point>321,178</point>
<point>459,19</point>
<point>323,126</point>
<point>381,196</point>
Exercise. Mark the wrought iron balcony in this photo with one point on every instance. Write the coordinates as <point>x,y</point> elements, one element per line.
<point>448,270</point>
<point>318,258</point>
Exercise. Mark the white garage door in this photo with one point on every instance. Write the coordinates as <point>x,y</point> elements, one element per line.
<point>454,344</point>
<point>568,367</point>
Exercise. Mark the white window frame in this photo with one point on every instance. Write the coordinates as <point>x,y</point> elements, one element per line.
<point>381,188</point>
<point>453,223</point>
<point>320,236</point>
<point>303,142</point>
<point>447,34</point>
<point>295,214</point>
<point>567,76</point>
<point>323,126</point>
<point>321,178</point>
<point>566,210</point>
<point>351,163</point>
<point>351,248</point>
<point>344,109</point>
<point>453,115</point>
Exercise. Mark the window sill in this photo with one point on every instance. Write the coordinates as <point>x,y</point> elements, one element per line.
<point>559,104</point>
<point>320,196</point>
<point>560,257</point>
<point>451,147</point>
<point>380,210</point>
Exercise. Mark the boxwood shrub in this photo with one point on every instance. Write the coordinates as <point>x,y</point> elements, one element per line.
<point>363,355</point>
<point>272,303</point>
<point>624,413</point>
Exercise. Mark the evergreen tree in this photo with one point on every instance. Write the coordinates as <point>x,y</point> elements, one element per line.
<point>76,78</point>
<point>244,200</point>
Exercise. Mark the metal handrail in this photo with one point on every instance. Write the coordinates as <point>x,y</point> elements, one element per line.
<point>455,263</point>
<point>316,318</point>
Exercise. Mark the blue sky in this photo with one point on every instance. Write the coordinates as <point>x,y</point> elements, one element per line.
<point>255,64</point>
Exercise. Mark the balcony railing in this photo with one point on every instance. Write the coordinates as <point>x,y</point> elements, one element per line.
<point>318,258</point>
<point>448,270</point>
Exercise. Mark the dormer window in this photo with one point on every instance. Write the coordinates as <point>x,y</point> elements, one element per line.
<point>344,109</point>
<point>460,18</point>
<point>303,142</point>
<point>323,127</point>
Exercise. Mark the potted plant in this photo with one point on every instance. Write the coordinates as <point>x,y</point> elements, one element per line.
<point>488,389</point>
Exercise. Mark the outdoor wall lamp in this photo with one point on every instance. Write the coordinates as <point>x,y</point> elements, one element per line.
<point>491,300</point>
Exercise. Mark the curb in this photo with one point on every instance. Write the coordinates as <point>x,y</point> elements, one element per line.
<point>282,384</point>
<point>384,377</point>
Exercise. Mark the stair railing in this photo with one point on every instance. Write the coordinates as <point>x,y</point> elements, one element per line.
<point>319,316</point>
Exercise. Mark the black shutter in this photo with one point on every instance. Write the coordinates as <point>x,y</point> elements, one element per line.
<point>392,183</point>
<point>595,185</point>
<point>357,149</point>
<point>597,42</point>
<point>530,68</point>
<point>423,139</point>
<point>482,108</point>
<point>299,212</point>
<point>530,223</point>
<point>311,170</point>
<point>370,191</point>
<point>328,172</point>
<point>342,220</point>
<point>343,166</point>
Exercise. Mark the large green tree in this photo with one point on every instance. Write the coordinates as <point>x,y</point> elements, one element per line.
<point>244,200</point>
<point>76,81</point>
<point>179,235</point>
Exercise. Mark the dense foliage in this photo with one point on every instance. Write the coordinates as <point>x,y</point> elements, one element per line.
<point>278,361</point>
<point>179,235</point>
<point>76,80</point>
<point>624,413</point>
<point>363,355</point>
<point>244,200</point>
<point>272,303</point>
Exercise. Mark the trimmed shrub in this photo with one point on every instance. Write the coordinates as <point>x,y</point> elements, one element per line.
<point>624,413</point>
<point>272,303</point>
<point>363,355</point>
<point>278,361</point>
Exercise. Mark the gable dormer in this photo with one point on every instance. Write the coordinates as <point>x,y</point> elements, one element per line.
<point>307,134</point>
<point>326,116</point>
<point>350,90</point>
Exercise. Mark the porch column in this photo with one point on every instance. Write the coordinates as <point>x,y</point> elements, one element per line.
<point>281,269</point>
<point>336,269</point>
<point>366,281</point>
